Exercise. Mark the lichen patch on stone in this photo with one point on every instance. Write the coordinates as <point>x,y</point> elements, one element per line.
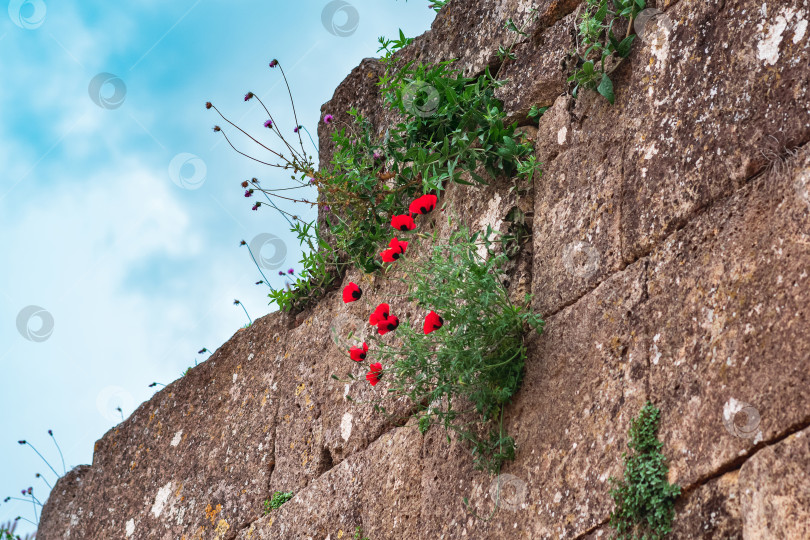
<point>160,499</point>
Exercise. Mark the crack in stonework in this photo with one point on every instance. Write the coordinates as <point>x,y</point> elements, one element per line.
<point>697,213</point>
<point>738,462</point>
<point>592,529</point>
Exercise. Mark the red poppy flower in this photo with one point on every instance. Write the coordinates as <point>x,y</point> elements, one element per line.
<point>423,205</point>
<point>432,322</point>
<point>358,354</point>
<point>389,255</point>
<point>374,374</point>
<point>380,314</point>
<point>396,245</point>
<point>403,223</point>
<point>352,292</point>
<point>387,325</point>
<point>397,249</point>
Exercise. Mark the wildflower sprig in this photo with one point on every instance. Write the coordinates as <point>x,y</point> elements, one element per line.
<point>451,129</point>
<point>463,361</point>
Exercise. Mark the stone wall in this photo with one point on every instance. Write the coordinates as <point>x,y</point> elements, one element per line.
<point>670,256</point>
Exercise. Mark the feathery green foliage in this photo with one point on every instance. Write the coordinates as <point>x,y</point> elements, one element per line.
<point>644,499</point>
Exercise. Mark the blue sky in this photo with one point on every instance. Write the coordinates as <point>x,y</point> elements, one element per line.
<point>136,272</point>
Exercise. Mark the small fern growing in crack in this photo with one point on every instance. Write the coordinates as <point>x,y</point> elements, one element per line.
<point>644,499</point>
<point>275,502</point>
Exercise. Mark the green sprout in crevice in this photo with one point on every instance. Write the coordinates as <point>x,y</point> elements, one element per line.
<point>644,498</point>
<point>598,50</point>
<point>278,499</point>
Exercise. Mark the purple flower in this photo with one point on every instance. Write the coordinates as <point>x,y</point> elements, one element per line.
<point>326,208</point>
<point>256,206</point>
<point>311,180</point>
<point>248,96</point>
<point>268,124</point>
<point>377,155</point>
<point>273,63</point>
<point>295,130</point>
<point>280,273</point>
<point>328,119</point>
<point>290,271</point>
<point>249,193</point>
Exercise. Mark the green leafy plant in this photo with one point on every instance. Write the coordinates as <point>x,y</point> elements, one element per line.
<point>597,44</point>
<point>536,112</point>
<point>358,534</point>
<point>461,375</point>
<point>644,499</point>
<point>275,502</point>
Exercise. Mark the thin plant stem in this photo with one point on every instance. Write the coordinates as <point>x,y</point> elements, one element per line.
<point>45,480</point>
<point>19,499</point>
<point>245,310</point>
<point>310,137</point>
<point>250,136</point>
<point>259,267</point>
<point>292,102</point>
<point>283,214</point>
<point>50,432</point>
<point>275,129</point>
<point>248,156</point>
<point>41,457</point>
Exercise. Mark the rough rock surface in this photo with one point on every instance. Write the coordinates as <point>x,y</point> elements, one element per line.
<point>669,254</point>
